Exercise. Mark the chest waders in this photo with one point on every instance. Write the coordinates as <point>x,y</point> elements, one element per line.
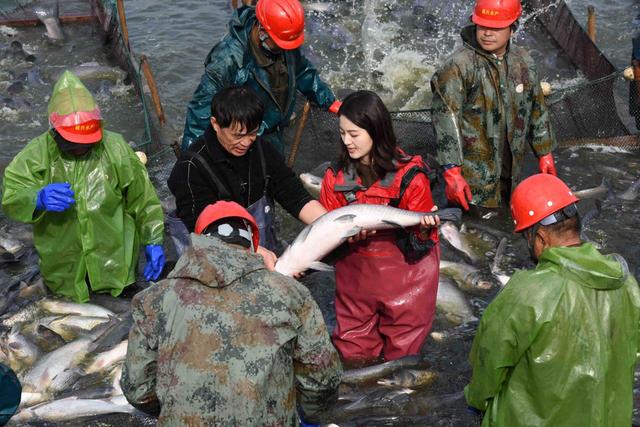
<point>263,209</point>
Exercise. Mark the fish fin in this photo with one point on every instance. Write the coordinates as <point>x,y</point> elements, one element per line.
<point>320,266</point>
<point>391,223</point>
<point>386,382</point>
<point>345,218</point>
<point>304,233</point>
<point>351,232</point>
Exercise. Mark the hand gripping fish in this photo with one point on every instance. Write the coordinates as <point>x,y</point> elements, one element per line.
<point>333,228</point>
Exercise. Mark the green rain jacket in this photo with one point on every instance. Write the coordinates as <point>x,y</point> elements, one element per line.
<point>558,346</point>
<point>230,62</point>
<point>473,103</point>
<point>116,210</point>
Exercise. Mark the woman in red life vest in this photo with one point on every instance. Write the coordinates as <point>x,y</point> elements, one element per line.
<point>386,284</point>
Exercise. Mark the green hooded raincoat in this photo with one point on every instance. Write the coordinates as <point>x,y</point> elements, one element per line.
<point>116,209</point>
<point>557,347</point>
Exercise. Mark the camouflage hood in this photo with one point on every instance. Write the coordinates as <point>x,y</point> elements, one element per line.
<point>214,263</point>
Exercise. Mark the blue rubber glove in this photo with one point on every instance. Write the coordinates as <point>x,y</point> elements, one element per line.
<point>55,197</point>
<point>155,262</point>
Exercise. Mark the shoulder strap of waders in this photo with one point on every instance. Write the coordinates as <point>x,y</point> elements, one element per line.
<point>223,191</point>
<point>350,185</point>
<point>263,164</point>
<point>406,180</point>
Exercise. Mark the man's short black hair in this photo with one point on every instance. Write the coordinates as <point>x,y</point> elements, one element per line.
<point>237,104</point>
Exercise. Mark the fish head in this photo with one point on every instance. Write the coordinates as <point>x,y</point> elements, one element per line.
<point>482,283</point>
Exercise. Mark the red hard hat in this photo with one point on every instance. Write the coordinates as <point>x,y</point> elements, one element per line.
<point>220,210</point>
<point>88,132</point>
<point>496,13</point>
<point>283,20</point>
<point>537,197</point>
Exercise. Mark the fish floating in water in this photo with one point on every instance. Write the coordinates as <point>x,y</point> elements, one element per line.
<point>452,303</point>
<point>50,18</point>
<point>370,373</point>
<point>599,192</point>
<point>410,378</point>
<point>332,229</point>
<point>312,180</point>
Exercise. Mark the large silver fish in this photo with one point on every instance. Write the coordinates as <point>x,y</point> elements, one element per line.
<point>368,373</point>
<point>471,245</point>
<point>72,408</point>
<point>334,228</point>
<point>57,370</point>
<point>601,191</point>
<point>467,277</point>
<point>452,303</point>
<point>312,180</point>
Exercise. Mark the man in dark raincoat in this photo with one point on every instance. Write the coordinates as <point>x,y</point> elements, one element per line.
<point>487,107</point>
<point>88,197</point>
<point>223,341</point>
<point>260,51</point>
<point>558,345</point>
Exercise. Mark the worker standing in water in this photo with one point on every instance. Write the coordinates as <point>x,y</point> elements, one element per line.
<point>88,197</point>
<point>386,282</point>
<point>487,107</point>
<point>261,51</point>
<point>558,345</point>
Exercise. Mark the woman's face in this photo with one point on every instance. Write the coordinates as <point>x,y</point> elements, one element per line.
<point>356,140</point>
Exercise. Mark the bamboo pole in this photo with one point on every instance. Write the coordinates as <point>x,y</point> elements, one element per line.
<point>151,81</point>
<point>591,22</point>
<point>298,136</point>
<point>123,22</point>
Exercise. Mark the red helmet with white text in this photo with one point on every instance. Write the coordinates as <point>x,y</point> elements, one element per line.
<point>496,13</point>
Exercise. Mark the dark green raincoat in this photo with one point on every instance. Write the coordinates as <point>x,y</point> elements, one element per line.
<point>475,106</point>
<point>116,210</point>
<point>557,347</point>
<point>230,62</point>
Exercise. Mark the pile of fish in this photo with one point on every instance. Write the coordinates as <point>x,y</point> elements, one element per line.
<point>67,356</point>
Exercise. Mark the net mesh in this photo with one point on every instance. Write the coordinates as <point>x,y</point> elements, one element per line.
<point>591,113</point>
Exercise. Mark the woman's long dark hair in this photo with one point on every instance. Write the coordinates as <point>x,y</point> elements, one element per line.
<point>367,111</point>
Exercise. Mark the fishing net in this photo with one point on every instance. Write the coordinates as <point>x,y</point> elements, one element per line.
<point>587,114</point>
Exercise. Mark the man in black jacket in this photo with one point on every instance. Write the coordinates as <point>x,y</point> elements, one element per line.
<point>230,162</point>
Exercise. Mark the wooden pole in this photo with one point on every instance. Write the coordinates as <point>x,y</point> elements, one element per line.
<point>123,22</point>
<point>298,136</point>
<point>155,97</point>
<point>591,22</point>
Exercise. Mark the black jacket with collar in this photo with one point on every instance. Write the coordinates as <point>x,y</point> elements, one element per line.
<point>243,177</point>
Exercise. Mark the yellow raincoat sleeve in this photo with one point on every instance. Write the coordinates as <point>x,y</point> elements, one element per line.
<point>507,329</point>
<point>23,179</point>
<point>141,200</point>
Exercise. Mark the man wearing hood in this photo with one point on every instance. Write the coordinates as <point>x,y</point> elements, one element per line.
<point>558,345</point>
<point>223,341</point>
<point>88,197</point>
<point>487,107</point>
<point>261,51</point>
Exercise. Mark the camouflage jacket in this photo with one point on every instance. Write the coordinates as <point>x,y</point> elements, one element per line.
<point>224,342</point>
<point>475,104</point>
